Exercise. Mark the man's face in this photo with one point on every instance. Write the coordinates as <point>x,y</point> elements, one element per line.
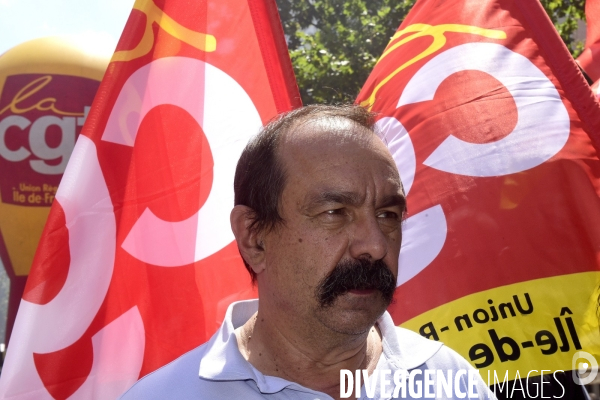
<point>338,246</point>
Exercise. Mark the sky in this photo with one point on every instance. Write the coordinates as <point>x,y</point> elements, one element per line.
<point>100,22</point>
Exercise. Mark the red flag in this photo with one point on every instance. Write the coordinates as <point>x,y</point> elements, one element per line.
<point>589,59</point>
<point>137,263</point>
<point>493,129</point>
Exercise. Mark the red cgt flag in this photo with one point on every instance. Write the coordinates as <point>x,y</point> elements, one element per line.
<point>495,133</point>
<point>137,262</point>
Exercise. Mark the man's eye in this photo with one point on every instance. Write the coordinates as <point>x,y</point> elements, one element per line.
<point>337,211</point>
<point>388,214</point>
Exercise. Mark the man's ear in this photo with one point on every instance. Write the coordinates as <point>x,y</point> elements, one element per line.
<point>249,241</point>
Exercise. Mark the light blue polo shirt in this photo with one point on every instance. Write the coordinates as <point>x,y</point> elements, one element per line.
<point>217,369</point>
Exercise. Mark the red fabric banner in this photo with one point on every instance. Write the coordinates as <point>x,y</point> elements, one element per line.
<point>137,262</point>
<point>493,130</point>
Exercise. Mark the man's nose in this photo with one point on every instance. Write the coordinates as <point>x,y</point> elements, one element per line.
<point>368,240</point>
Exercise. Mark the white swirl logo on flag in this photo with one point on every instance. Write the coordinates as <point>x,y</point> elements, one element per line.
<point>542,130</point>
<point>177,243</point>
<point>85,199</point>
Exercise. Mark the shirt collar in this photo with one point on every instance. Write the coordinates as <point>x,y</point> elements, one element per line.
<point>402,348</point>
<point>221,359</point>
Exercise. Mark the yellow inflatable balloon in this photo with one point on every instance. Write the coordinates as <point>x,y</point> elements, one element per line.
<point>46,89</point>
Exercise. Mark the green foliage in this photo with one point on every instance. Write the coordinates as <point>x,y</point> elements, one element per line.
<point>565,15</point>
<point>334,44</point>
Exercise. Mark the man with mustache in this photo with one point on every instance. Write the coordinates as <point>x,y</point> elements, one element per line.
<point>317,218</point>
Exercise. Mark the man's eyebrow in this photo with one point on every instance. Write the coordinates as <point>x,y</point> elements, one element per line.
<point>334,196</point>
<point>352,199</point>
<point>394,200</point>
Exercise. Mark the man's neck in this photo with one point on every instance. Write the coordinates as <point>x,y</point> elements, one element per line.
<point>314,360</point>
